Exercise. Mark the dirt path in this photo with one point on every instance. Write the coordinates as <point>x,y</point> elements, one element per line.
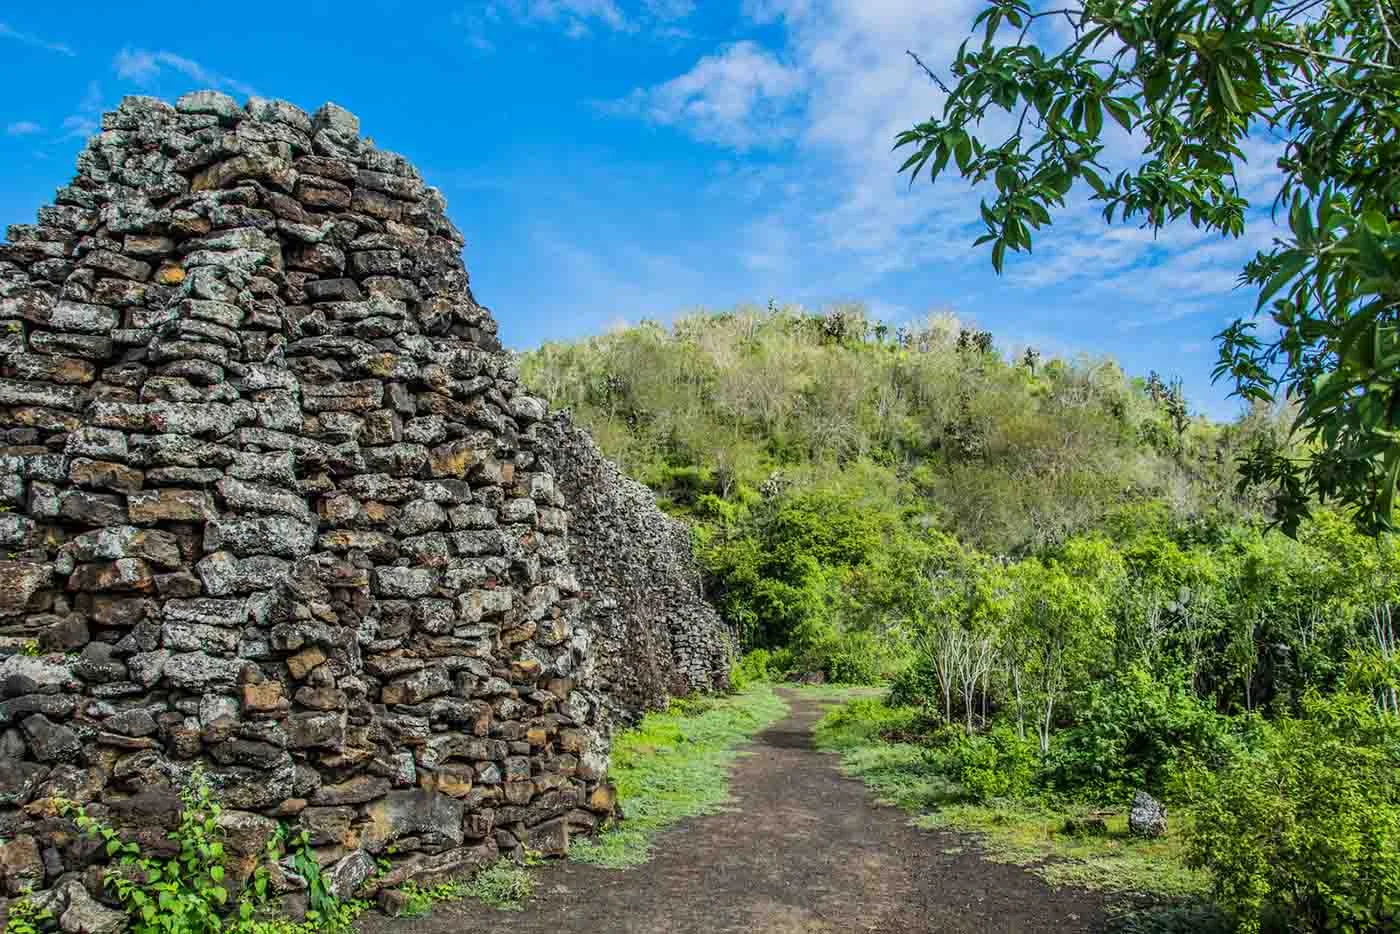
<point>802,850</point>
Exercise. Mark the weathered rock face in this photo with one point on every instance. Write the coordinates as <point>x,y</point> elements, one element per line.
<point>653,634</point>
<point>276,504</point>
<point>1148,817</point>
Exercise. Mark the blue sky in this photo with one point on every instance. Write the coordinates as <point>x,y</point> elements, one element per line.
<point>610,160</point>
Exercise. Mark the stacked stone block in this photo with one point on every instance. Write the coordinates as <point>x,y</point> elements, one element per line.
<point>652,634</point>
<point>276,507</point>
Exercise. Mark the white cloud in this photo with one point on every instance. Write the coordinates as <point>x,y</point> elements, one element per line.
<point>144,67</point>
<point>666,10</point>
<point>7,32</point>
<point>87,120</point>
<point>80,125</point>
<point>576,19</point>
<point>23,128</point>
<point>842,221</point>
<point>742,96</point>
<point>137,66</point>
<point>850,219</point>
<point>569,12</point>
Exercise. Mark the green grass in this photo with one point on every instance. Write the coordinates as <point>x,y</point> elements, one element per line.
<point>502,885</point>
<point>420,899</point>
<point>1032,835</point>
<point>1029,834</point>
<point>673,765</point>
<point>839,692</point>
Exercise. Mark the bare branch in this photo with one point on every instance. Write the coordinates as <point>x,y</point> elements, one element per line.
<point>929,71</point>
<point>1327,57</point>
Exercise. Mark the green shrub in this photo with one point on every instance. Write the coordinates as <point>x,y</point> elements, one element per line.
<point>1303,830</point>
<point>25,917</point>
<point>848,666</point>
<point>187,893</point>
<point>420,899</point>
<point>751,668</point>
<point>863,720</point>
<point>846,657</point>
<point>502,885</point>
<point>917,685</point>
<point>995,764</point>
<point>184,894</point>
<point>1134,732</point>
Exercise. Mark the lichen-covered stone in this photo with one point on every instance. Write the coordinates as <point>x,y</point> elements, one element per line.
<point>279,506</point>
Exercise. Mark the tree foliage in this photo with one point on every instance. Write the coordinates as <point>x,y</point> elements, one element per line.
<point>1192,82</point>
<point>1050,559</point>
<point>1304,828</point>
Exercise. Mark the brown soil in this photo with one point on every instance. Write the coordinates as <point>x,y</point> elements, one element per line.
<point>802,850</point>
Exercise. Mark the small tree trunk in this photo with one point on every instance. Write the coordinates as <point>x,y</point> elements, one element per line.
<point>1020,703</point>
<point>1045,725</point>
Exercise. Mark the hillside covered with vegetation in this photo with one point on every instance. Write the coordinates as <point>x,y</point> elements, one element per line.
<point>1053,562</point>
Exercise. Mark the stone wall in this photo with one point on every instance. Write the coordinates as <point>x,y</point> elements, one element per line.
<point>653,635</point>
<point>276,506</point>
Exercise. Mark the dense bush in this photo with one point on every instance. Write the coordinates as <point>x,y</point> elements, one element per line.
<point>851,666</point>
<point>1303,830</point>
<point>1133,732</point>
<point>870,718</point>
<point>917,684</point>
<point>994,764</point>
<point>759,666</point>
<point>848,658</point>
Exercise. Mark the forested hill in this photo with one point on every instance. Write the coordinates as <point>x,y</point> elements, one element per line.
<point>841,474</point>
<point>1052,563</point>
<point>1011,452</point>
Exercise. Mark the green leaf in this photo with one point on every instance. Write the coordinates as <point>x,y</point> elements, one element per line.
<point>1093,179</point>
<point>962,152</point>
<point>1120,111</point>
<point>1292,264</point>
<point>1227,89</point>
<point>1093,117</point>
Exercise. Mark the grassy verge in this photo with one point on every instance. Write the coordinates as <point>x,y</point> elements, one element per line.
<point>673,765</point>
<point>837,692</point>
<point>1027,833</point>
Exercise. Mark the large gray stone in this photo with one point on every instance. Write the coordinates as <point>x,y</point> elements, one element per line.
<point>197,671</point>
<point>412,812</point>
<point>280,536</point>
<point>1148,817</point>
<point>49,741</point>
<point>346,876</point>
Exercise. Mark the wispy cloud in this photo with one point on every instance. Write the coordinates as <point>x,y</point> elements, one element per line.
<point>838,87</point>
<point>87,120</point>
<point>8,32</point>
<point>23,128</point>
<point>669,9</point>
<point>145,68</point>
<point>743,97</point>
<point>576,19</point>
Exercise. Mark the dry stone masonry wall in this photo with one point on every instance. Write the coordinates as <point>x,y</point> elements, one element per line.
<point>275,506</point>
<point>653,634</point>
